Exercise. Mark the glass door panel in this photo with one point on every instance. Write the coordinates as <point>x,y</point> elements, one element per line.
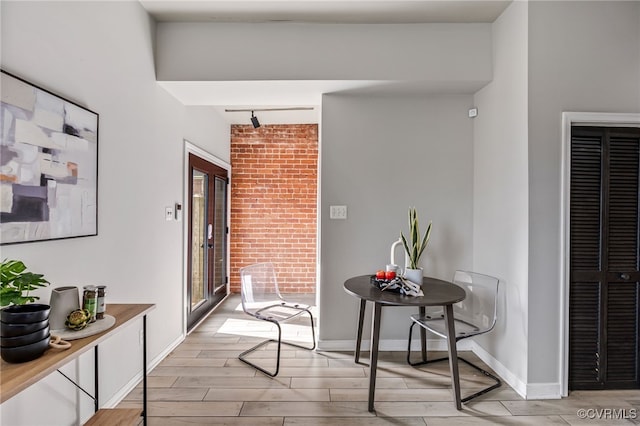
<point>207,264</point>
<point>220,235</point>
<point>198,237</point>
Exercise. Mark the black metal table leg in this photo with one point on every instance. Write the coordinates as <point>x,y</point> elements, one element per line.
<point>453,354</point>
<point>96,404</point>
<point>373,363</point>
<point>423,335</point>
<point>144,370</point>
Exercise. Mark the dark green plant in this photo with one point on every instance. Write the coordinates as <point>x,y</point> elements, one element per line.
<point>15,283</point>
<point>417,247</point>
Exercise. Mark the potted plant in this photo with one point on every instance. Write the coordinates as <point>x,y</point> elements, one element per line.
<point>415,247</point>
<point>24,326</point>
<point>16,283</point>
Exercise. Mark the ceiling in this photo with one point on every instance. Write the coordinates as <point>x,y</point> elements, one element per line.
<point>269,94</point>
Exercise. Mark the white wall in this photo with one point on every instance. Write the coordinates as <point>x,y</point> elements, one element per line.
<point>379,156</point>
<point>583,56</point>
<point>99,54</point>
<point>500,192</point>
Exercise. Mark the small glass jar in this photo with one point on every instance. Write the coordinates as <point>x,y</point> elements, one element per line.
<point>101,307</point>
<point>90,300</point>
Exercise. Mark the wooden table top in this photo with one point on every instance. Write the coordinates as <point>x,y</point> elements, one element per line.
<point>436,292</point>
<point>14,378</point>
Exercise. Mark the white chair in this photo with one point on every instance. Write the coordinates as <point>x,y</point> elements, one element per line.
<point>261,299</point>
<point>475,315</point>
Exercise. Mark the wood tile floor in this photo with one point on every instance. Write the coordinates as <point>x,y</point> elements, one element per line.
<point>202,382</point>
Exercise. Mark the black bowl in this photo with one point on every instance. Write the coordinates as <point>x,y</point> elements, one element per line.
<point>27,339</point>
<point>14,330</point>
<point>25,353</point>
<point>25,314</point>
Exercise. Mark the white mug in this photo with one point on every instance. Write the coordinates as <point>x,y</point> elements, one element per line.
<point>394,268</point>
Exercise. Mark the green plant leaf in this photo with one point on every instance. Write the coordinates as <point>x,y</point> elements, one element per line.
<point>15,283</point>
<point>418,246</point>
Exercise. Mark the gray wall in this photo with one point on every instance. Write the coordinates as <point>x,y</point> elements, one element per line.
<point>433,53</point>
<point>583,56</point>
<point>99,54</point>
<point>379,156</point>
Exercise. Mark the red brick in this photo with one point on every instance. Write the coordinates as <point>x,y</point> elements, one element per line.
<point>274,199</point>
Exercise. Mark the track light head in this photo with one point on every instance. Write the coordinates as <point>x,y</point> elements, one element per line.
<point>254,121</point>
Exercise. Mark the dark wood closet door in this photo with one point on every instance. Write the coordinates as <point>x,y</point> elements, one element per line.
<point>604,289</point>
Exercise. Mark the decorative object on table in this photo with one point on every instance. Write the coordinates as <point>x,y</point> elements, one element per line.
<point>414,248</point>
<point>24,327</point>
<point>24,332</point>
<point>77,322</point>
<point>47,139</point>
<point>90,301</point>
<point>64,300</point>
<point>78,319</point>
<point>91,328</point>
<point>56,342</point>
<point>397,285</point>
<point>101,306</point>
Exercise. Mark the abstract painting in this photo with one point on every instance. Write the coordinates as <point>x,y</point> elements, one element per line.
<point>48,165</point>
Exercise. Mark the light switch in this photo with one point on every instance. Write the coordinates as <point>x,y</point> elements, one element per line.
<point>338,212</point>
<point>168,213</point>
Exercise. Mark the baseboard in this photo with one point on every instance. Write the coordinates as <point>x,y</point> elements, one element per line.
<point>528,391</point>
<point>544,391</point>
<point>512,380</point>
<point>131,384</point>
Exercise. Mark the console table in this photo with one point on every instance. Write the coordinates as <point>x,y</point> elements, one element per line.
<point>14,378</point>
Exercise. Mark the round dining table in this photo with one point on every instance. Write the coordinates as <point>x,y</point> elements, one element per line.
<point>436,293</point>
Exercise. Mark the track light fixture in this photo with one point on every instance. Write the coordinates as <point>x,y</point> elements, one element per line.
<point>254,121</point>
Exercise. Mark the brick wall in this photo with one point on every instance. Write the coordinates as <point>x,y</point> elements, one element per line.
<point>274,202</point>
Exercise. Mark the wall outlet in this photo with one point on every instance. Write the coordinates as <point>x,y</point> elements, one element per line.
<point>168,213</point>
<point>338,212</point>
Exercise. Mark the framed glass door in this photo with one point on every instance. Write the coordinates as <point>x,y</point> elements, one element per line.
<point>207,246</point>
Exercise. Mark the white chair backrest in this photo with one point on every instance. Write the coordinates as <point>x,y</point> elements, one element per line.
<point>258,286</point>
<point>479,308</point>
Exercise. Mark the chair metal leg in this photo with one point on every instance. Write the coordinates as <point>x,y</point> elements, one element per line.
<point>497,383</point>
<point>466,399</point>
<point>280,342</point>
<point>363,307</point>
<point>424,360</point>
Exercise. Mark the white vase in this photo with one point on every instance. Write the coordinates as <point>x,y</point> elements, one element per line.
<point>413,275</point>
<point>63,301</point>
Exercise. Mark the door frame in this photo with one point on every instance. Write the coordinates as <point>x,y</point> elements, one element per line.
<point>190,148</point>
<point>570,119</point>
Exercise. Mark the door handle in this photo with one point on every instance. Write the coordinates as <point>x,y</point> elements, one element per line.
<point>625,276</point>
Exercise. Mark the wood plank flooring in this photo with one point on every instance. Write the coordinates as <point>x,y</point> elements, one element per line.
<point>202,382</point>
